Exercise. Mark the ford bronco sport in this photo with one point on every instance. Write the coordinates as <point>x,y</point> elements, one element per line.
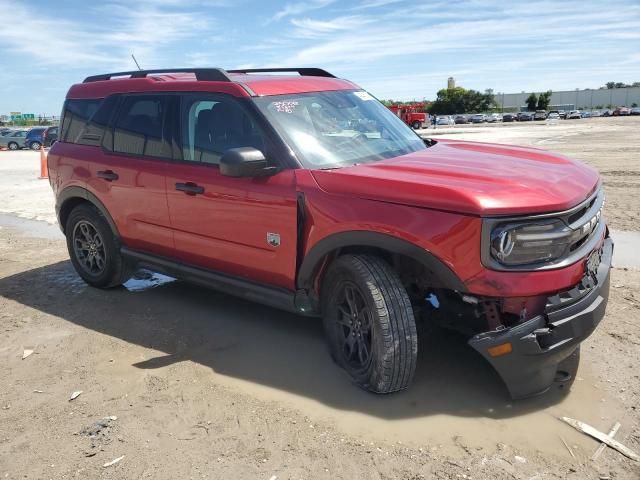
<point>303,192</point>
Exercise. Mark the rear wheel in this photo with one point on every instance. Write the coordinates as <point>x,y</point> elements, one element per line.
<point>94,249</point>
<point>35,145</point>
<point>369,323</point>
<point>416,125</point>
<point>13,146</point>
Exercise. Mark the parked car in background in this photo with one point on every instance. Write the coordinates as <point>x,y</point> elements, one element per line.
<point>50,136</point>
<point>553,116</point>
<point>621,111</point>
<point>509,117</point>
<point>4,130</point>
<point>34,139</point>
<point>596,113</point>
<point>634,111</point>
<point>445,120</point>
<point>478,118</point>
<point>460,119</point>
<point>585,114</point>
<point>607,113</point>
<point>525,116</point>
<point>540,115</point>
<point>574,114</point>
<point>494,117</point>
<point>14,140</point>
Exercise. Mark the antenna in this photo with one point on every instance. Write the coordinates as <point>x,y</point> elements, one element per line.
<point>137,64</point>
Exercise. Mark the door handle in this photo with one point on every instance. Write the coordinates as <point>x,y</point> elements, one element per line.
<point>108,175</point>
<point>190,188</point>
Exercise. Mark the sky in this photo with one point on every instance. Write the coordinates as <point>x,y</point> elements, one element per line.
<point>395,49</point>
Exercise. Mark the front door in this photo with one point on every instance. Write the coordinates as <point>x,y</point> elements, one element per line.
<point>244,227</point>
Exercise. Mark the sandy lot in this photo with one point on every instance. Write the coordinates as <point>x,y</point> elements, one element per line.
<point>203,385</point>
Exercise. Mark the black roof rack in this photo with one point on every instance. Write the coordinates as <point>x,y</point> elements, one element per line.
<point>305,71</point>
<point>210,74</point>
<point>202,74</point>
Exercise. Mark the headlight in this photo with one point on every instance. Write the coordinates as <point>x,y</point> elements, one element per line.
<point>522,244</point>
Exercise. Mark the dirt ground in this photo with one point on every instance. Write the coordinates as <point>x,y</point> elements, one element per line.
<point>189,383</point>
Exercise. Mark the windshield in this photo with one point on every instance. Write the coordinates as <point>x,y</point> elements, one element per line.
<point>338,129</point>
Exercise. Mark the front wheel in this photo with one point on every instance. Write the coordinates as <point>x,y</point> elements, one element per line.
<point>369,323</point>
<point>35,145</point>
<point>416,125</point>
<point>93,248</point>
<point>13,146</point>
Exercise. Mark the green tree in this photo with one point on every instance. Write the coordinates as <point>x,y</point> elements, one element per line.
<point>532,102</point>
<point>611,85</point>
<point>460,100</point>
<point>544,99</point>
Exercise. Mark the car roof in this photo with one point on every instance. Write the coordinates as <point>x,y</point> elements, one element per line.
<point>244,83</point>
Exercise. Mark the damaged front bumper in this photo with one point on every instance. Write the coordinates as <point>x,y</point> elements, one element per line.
<point>528,354</point>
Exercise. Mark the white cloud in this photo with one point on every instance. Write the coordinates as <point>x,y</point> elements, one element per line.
<point>298,8</point>
<point>308,28</point>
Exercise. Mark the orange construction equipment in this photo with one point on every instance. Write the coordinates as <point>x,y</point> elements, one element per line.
<point>44,170</point>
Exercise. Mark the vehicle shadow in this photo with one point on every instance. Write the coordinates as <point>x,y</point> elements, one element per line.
<point>259,344</point>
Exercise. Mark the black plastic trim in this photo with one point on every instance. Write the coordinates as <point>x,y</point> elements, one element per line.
<point>70,193</point>
<point>264,294</point>
<point>313,260</point>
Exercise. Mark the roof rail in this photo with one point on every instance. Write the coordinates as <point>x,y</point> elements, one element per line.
<point>202,74</point>
<point>305,72</point>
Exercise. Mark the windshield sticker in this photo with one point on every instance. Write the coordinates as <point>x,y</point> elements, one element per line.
<point>363,95</point>
<point>285,107</point>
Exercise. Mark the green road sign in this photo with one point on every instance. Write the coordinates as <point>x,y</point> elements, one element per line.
<point>28,116</point>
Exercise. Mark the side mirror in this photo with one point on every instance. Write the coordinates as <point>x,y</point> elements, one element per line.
<point>245,162</point>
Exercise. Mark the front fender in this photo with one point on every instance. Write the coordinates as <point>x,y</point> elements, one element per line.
<point>313,260</point>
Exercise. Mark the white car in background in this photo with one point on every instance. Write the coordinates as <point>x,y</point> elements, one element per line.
<point>574,114</point>
<point>445,120</point>
<point>494,117</point>
<point>553,116</point>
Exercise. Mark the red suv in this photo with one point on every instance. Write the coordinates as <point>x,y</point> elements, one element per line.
<point>303,192</point>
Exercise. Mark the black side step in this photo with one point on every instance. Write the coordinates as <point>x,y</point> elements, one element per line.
<point>264,294</point>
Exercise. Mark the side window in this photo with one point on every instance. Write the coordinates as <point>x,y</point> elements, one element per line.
<point>75,115</point>
<point>138,128</point>
<point>211,125</point>
<point>97,132</point>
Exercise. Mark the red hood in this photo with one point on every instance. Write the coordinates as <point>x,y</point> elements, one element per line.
<point>469,177</point>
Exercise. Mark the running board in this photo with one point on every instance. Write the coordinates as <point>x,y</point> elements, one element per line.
<point>255,292</point>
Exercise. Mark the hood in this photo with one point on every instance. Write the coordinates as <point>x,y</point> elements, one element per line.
<point>469,177</point>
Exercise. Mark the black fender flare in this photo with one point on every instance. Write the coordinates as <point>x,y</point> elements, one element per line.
<point>313,260</point>
<point>71,193</point>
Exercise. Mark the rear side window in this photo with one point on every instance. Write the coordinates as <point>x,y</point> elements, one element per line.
<point>138,127</point>
<point>75,115</point>
<point>97,132</point>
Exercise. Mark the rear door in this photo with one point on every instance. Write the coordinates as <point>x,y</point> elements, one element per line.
<point>128,172</point>
<point>245,227</point>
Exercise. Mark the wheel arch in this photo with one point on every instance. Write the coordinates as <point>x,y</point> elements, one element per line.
<point>71,197</point>
<point>357,241</point>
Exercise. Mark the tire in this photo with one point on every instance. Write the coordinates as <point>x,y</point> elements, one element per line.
<point>13,146</point>
<point>94,249</point>
<point>416,125</point>
<point>35,145</point>
<point>384,323</point>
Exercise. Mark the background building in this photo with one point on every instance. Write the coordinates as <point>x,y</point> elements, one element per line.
<point>580,99</point>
